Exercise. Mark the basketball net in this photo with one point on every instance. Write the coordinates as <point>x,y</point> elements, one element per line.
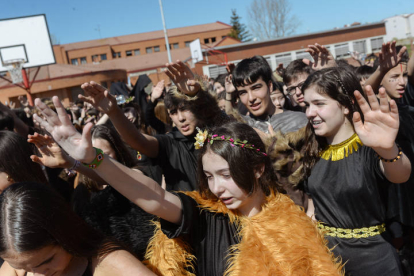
<point>14,66</point>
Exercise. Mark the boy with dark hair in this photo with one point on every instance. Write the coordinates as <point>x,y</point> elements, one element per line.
<point>173,152</point>
<point>252,81</point>
<point>294,77</point>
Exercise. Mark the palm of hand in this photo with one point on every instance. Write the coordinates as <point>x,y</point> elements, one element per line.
<point>379,130</point>
<point>102,103</point>
<point>181,81</point>
<point>70,140</point>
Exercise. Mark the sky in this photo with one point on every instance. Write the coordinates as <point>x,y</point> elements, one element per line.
<point>80,20</point>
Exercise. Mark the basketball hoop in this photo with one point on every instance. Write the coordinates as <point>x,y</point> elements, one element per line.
<point>14,66</point>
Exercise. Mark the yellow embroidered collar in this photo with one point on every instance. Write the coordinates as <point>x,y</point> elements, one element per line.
<point>342,150</point>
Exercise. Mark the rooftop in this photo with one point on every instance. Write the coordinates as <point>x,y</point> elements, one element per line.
<point>146,36</point>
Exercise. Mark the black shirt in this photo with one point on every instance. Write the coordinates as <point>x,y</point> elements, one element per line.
<point>178,160</point>
<point>209,234</point>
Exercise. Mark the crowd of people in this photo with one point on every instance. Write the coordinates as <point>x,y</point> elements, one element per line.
<point>302,171</point>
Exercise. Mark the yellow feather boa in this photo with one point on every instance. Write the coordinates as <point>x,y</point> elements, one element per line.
<point>280,240</point>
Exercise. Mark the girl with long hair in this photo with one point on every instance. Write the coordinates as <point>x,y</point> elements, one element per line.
<point>40,235</point>
<point>238,223</point>
<point>351,157</point>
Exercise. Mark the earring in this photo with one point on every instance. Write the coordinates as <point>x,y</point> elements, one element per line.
<point>9,178</point>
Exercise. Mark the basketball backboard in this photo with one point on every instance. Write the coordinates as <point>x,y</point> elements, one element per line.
<point>25,38</point>
<point>195,48</point>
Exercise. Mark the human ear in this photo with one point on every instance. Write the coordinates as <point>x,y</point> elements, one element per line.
<point>270,84</point>
<point>258,172</point>
<point>346,111</point>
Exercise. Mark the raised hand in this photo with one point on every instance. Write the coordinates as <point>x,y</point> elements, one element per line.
<point>99,97</point>
<point>183,78</point>
<point>64,133</point>
<point>228,84</point>
<point>51,155</point>
<point>157,91</point>
<point>381,120</point>
<point>388,57</point>
<point>321,56</point>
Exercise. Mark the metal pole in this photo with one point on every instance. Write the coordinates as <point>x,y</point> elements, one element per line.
<point>165,33</point>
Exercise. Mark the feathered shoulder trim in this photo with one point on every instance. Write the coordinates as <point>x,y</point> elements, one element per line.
<point>280,240</point>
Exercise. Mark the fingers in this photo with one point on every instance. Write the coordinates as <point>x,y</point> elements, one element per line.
<point>401,53</point>
<point>63,116</point>
<point>394,110</point>
<point>356,118</point>
<point>43,123</point>
<point>372,98</point>
<point>36,159</point>
<point>86,135</point>
<point>363,104</point>
<point>384,106</point>
<point>85,99</point>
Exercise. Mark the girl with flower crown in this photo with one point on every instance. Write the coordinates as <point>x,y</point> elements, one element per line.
<point>351,157</point>
<point>238,223</point>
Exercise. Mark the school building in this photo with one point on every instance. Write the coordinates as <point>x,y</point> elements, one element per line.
<point>124,58</point>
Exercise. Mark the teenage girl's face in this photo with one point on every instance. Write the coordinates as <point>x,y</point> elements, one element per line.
<point>278,99</point>
<point>327,116</point>
<point>218,87</point>
<point>222,185</point>
<point>395,81</point>
<point>47,261</point>
<point>105,146</point>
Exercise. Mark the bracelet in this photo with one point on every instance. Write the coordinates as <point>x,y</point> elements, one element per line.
<point>391,160</point>
<point>97,161</point>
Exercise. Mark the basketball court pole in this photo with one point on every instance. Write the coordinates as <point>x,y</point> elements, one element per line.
<point>165,33</point>
<point>27,86</point>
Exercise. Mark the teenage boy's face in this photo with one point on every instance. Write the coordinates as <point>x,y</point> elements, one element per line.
<point>294,89</point>
<point>256,97</point>
<point>184,120</point>
<point>394,81</point>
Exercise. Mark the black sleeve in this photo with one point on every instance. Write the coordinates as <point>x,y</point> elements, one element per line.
<point>152,120</point>
<point>190,220</point>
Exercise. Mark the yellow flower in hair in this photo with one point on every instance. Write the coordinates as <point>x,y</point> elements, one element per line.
<point>200,138</point>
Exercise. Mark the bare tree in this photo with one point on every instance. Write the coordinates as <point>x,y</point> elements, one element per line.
<point>271,19</point>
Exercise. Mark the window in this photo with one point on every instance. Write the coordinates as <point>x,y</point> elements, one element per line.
<point>187,43</point>
<point>360,47</point>
<point>303,54</point>
<point>74,61</point>
<point>213,39</point>
<point>341,50</point>
<point>214,71</point>
<point>137,52</point>
<point>376,44</point>
<point>156,48</point>
<point>128,53</point>
<point>95,58</point>
<point>104,84</point>
<point>83,60</point>
<point>175,46</point>
<point>103,57</point>
<point>116,55</point>
<point>148,50</point>
<point>285,59</point>
<point>206,40</point>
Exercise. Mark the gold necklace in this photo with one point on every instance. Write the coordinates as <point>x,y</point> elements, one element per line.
<point>342,150</point>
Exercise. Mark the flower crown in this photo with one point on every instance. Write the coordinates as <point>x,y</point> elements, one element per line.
<point>202,136</point>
